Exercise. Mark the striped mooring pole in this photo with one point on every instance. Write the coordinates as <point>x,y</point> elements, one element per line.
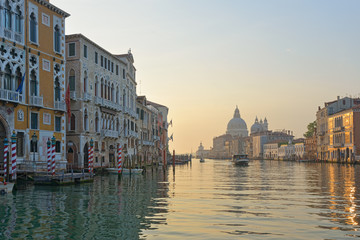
<point>49,155</point>
<point>13,156</point>
<point>53,142</point>
<point>6,150</point>
<point>119,159</point>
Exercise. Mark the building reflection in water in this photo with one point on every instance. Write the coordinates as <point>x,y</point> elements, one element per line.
<point>108,208</point>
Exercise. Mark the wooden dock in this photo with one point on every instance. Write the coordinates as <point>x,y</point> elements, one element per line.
<point>62,178</point>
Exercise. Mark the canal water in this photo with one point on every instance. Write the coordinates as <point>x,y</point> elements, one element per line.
<point>210,200</point>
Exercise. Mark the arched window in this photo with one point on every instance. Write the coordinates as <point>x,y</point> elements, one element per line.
<point>8,16</point>
<point>57,38</point>
<point>96,122</point>
<point>72,122</point>
<point>124,98</point>
<point>112,93</point>
<point>33,84</point>
<point>7,77</point>
<point>117,95</point>
<point>109,92</point>
<point>18,79</point>
<point>85,81</point>
<point>86,121</point>
<point>117,125</point>
<point>96,86</point>
<point>57,89</point>
<point>18,25</point>
<point>105,90</point>
<point>33,28</point>
<point>102,88</point>
<point>72,80</point>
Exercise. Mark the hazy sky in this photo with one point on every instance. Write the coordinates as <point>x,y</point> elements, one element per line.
<point>201,58</point>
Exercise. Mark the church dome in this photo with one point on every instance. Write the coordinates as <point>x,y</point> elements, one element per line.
<point>237,126</point>
<point>259,127</point>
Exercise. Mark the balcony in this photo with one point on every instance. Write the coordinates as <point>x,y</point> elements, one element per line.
<point>8,33</point>
<point>98,100</point>
<point>133,134</point>
<point>109,133</point>
<point>338,145</point>
<point>156,138</point>
<point>73,95</point>
<point>109,104</point>
<point>36,101</point>
<point>147,143</point>
<point>338,129</point>
<point>61,106</point>
<point>87,96</point>
<point>7,95</point>
<point>18,37</point>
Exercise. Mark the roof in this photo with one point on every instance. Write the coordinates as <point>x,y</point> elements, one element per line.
<point>79,35</point>
<point>156,104</point>
<point>53,8</point>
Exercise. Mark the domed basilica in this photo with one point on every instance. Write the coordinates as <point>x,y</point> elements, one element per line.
<point>237,126</point>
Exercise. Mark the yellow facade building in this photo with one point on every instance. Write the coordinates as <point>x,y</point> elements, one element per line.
<point>32,74</point>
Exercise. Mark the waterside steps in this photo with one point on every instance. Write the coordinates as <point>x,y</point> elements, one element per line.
<point>62,178</point>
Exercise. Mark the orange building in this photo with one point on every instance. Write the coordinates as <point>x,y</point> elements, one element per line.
<point>344,135</point>
<point>32,86</point>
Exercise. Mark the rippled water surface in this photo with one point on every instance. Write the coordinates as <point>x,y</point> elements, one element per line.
<point>211,200</point>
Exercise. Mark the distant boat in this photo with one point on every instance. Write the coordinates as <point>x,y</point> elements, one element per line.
<point>202,160</point>
<point>6,188</point>
<point>241,159</point>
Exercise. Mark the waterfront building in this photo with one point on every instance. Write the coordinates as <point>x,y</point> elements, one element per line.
<point>344,135</point>
<point>261,138</point>
<point>96,86</point>
<point>322,116</point>
<point>311,147</point>
<point>32,86</point>
<point>148,142</point>
<point>128,93</point>
<point>271,149</point>
<point>162,146</point>
<point>202,152</point>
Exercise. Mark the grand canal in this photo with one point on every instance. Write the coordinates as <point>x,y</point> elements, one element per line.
<point>211,200</point>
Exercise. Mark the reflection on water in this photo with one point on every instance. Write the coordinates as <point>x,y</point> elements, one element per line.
<point>211,200</point>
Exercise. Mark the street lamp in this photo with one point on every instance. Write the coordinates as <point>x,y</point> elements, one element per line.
<point>34,141</point>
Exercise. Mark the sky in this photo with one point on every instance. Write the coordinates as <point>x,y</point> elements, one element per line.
<point>278,59</point>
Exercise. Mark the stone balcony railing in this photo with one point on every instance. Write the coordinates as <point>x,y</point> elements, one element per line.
<point>12,35</point>
<point>8,95</point>
<point>73,95</point>
<point>60,105</point>
<point>109,133</point>
<point>156,138</point>
<point>87,96</point>
<point>147,143</point>
<point>36,101</point>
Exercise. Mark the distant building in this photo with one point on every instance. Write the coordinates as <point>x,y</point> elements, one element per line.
<point>311,147</point>
<point>202,152</point>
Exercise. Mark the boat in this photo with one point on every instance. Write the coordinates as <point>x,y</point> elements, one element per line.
<point>202,160</point>
<point>241,159</point>
<point>6,188</point>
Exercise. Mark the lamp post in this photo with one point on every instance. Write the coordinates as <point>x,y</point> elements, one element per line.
<point>34,141</point>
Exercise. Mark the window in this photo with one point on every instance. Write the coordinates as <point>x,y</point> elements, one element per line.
<point>117,69</point>
<point>8,16</point>
<point>85,82</point>
<point>57,146</point>
<point>33,146</point>
<point>96,57</point>
<point>57,39</point>
<point>86,121</point>
<point>72,122</point>
<point>18,25</point>
<point>85,51</point>
<point>103,146</point>
<point>109,65</point>
<point>123,73</point>
<point>71,49</point>
<point>72,80</point>
<point>96,146</point>
<point>18,80</point>
<point>7,77</point>
<point>57,89</point>
<point>20,144</point>
<point>34,120</point>
<point>33,28</point>
<point>112,67</point>
<point>33,84</point>
<point>105,63</point>
<point>102,61</point>
<point>57,124</point>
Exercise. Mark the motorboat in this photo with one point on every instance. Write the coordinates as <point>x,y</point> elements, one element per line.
<point>241,159</point>
<point>202,160</point>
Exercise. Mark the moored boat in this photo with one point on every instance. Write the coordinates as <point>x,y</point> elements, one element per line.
<point>202,160</point>
<point>241,159</point>
<point>6,188</point>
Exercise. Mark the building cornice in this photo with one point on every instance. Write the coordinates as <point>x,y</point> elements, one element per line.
<point>53,8</point>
